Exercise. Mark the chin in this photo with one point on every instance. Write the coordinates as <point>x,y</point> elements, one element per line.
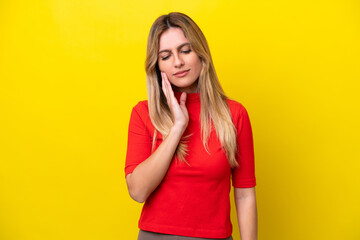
<point>182,84</point>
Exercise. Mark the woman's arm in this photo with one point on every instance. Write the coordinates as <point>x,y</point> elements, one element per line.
<point>245,201</point>
<point>149,173</point>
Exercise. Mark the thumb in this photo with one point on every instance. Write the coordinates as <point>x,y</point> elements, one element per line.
<point>183,99</point>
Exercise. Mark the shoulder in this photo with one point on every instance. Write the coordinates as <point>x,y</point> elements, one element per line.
<point>140,112</point>
<point>236,108</point>
<point>240,116</point>
<point>141,107</point>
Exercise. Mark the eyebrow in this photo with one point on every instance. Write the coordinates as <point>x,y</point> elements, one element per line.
<point>179,47</point>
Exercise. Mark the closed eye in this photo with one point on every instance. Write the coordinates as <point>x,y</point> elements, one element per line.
<point>186,52</point>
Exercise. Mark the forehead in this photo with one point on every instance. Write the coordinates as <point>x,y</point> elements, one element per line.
<point>172,38</point>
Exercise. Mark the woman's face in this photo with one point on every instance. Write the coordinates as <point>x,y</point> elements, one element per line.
<point>177,59</point>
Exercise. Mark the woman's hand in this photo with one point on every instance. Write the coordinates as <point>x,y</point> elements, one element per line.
<point>179,112</point>
<point>147,176</point>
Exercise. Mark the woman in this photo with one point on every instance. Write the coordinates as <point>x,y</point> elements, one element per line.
<point>187,141</point>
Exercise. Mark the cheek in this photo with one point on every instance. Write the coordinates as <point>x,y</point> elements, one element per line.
<point>163,67</point>
<point>197,65</point>
<point>160,65</point>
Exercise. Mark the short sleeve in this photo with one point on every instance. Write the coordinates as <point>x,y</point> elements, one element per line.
<point>243,176</point>
<point>139,139</point>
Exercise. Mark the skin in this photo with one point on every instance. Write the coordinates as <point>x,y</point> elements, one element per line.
<point>174,56</point>
<point>245,202</point>
<point>149,174</point>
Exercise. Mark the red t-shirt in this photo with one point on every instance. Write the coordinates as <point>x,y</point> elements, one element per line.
<point>192,200</point>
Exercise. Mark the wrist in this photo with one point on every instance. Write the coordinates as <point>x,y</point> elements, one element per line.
<point>178,129</point>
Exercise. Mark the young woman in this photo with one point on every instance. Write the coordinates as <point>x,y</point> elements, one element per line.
<point>187,142</point>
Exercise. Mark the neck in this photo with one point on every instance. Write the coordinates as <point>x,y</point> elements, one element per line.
<point>190,97</point>
<point>189,89</point>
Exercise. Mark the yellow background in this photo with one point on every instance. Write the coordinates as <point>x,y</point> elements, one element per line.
<point>71,71</point>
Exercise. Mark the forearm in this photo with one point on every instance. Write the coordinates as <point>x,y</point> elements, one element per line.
<point>247,216</point>
<point>148,174</point>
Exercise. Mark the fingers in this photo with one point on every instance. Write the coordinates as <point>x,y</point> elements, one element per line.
<point>163,85</point>
<point>183,98</point>
<point>167,83</point>
<point>178,111</point>
<point>167,89</point>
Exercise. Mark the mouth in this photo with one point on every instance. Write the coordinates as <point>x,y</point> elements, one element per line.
<point>181,73</point>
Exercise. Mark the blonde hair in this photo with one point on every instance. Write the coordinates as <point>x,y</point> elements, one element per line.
<point>214,111</point>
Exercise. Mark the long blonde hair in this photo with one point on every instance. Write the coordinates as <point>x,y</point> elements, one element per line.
<point>214,111</point>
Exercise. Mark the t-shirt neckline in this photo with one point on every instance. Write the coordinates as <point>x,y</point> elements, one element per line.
<point>190,97</point>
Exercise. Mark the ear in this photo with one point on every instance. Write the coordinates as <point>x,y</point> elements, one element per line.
<point>203,64</point>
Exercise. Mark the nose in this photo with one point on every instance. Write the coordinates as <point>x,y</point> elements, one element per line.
<point>178,61</point>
